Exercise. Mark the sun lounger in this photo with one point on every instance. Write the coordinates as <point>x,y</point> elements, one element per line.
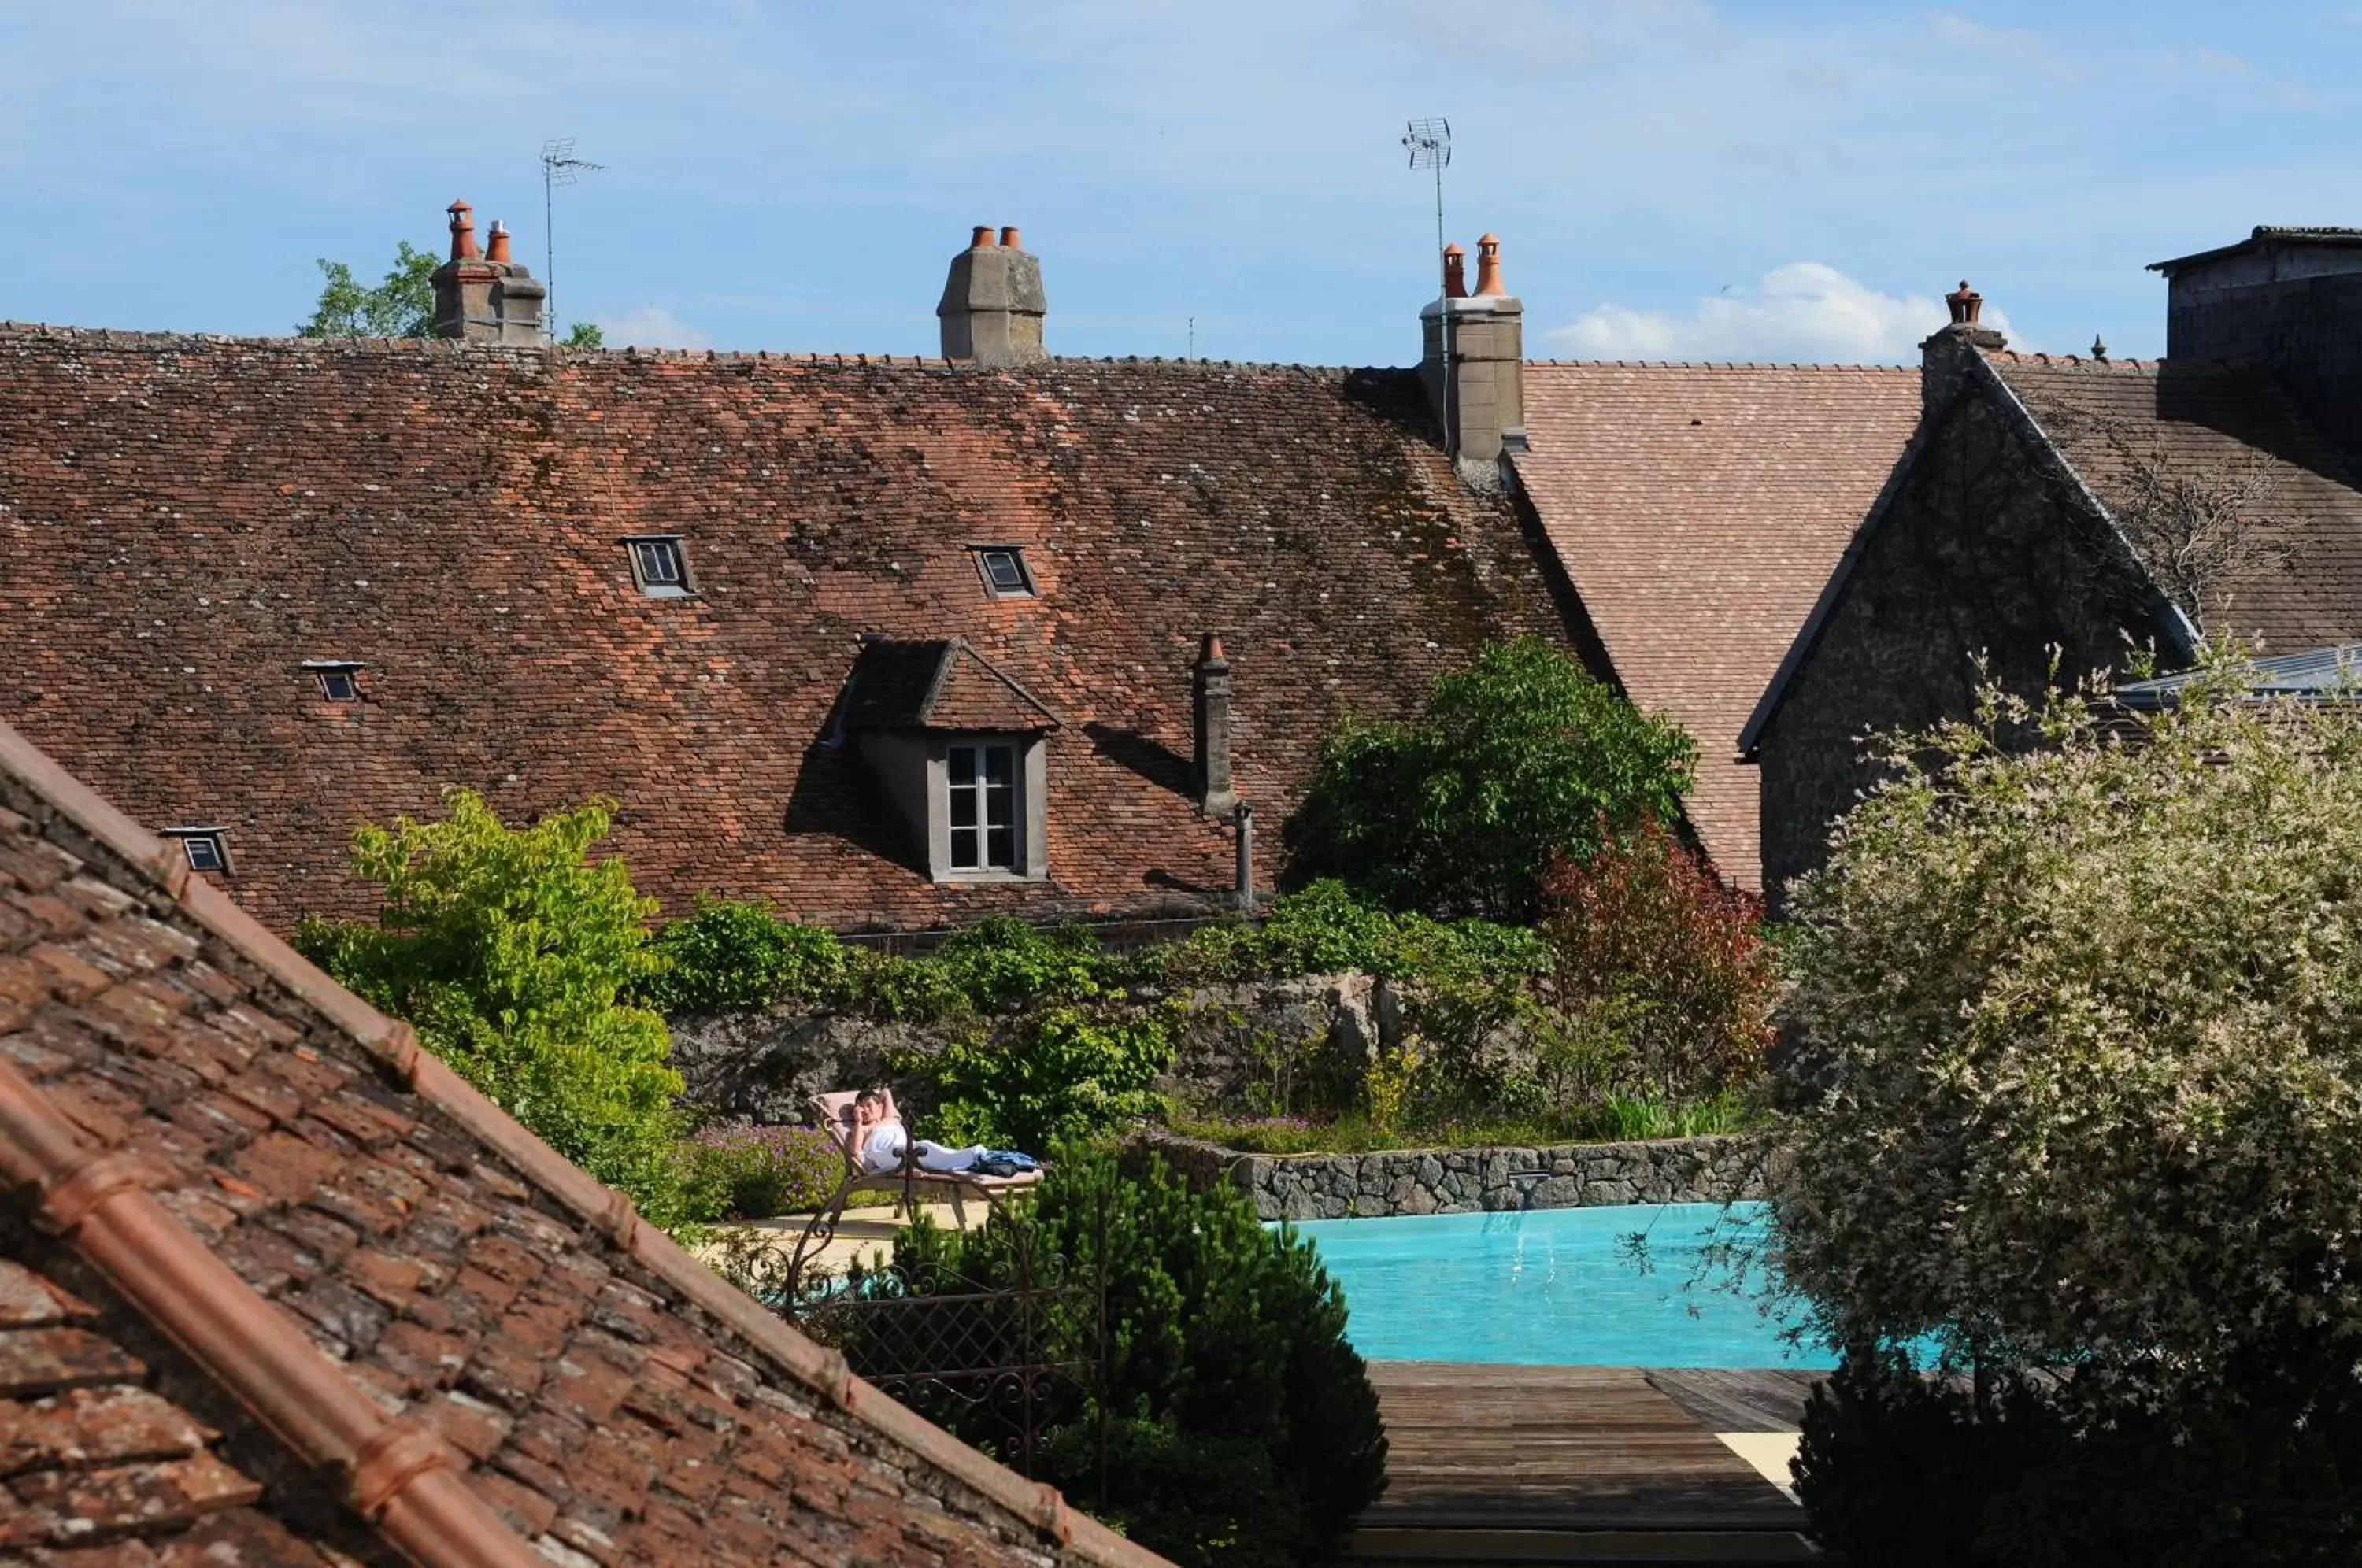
<point>909,1179</point>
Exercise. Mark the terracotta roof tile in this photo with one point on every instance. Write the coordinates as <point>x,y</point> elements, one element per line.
<point>189,519</point>
<point>191,1102</point>
<point>2193,419</point>
<point>1697,510</point>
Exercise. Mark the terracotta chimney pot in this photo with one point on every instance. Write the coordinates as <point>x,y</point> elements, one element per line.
<point>1964,303</point>
<point>500,250</point>
<point>1455,276</point>
<point>1012,239</point>
<point>1488,266</point>
<point>463,232</point>
<point>980,236</point>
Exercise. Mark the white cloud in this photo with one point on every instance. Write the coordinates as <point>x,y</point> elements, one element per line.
<point>1803,312</point>
<point>651,326</point>
<point>2013,47</point>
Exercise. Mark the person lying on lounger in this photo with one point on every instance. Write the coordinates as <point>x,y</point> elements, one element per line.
<point>881,1136</point>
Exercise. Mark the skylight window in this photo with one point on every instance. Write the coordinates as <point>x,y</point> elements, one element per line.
<point>207,848</point>
<point>340,679</point>
<point>1004,569</point>
<point>660,565</point>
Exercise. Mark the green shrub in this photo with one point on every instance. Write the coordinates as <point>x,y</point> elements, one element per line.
<point>1523,756</point>
<point>757,1172</point>
<point>1001,964</point>
<point>1056,1074</point>
<point>1326,928</point>
<point>512,955</point>
<point>738,957</point>
<point>1898,1468</point>
<point>1243,1428</point>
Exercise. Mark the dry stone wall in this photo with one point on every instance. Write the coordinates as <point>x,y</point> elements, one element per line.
<point>1459,1181</point>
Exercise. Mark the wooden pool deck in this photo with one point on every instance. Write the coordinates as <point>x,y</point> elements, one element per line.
<point>1532,1464</point>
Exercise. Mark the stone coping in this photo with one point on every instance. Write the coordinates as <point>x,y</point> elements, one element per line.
<point>1463,1181</point>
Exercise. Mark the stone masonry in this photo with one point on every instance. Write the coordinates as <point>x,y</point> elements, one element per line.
<point>1462,1181</point>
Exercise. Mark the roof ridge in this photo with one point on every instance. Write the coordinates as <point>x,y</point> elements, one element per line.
<point>1730,365</point>
<point>133,337</point>
<point>391,1463</point>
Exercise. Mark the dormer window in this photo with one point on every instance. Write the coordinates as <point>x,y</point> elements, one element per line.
<point>340,679</point>
<point>980,788</point>
<point>205,847</point>
<point>659,565</point>
<point>1004,571</point>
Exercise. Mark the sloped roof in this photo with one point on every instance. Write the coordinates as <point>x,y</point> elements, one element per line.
<point>944,685</point>
<point>1697,511</point>
<point>280,1285</point>
<point>2316,673</point>
<point>2211,423</point>
<point>187,519</point>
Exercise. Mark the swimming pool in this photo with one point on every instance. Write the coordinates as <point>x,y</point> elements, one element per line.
<point>1553,1287</point>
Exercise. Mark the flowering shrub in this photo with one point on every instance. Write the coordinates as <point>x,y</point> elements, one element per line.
<point>2088,989</point>
<point>1649,941</point>
<point>757,1172</point>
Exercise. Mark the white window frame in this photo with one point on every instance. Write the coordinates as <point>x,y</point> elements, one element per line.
<point>654,551</point>
<point>215,846</point>
<point>978,792</point>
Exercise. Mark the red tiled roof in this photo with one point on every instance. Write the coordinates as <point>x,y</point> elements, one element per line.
<point>281,1284</point>
<point>1697,510</point>
<point>187,520</point>
<point>2199,419</point>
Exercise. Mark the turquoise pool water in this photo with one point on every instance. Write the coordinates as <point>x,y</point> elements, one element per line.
<point>1553,1286</point>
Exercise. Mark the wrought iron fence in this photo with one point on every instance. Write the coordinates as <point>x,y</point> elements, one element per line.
<point>999,1335</point>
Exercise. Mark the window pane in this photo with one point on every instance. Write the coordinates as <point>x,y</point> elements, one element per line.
<point>205,852</point>
<point>1001,846</point>
<point>1004,570</point>
<point>963,764</point>
<point>1000,806</point>
<point>659,562</point>
<point>964,850</point>
<point>963,806</point>
<point>999,765</point>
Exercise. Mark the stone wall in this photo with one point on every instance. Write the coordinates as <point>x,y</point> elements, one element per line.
<point>1985,547</point>
<point>1459,1181</point>
<point>762,1067</point>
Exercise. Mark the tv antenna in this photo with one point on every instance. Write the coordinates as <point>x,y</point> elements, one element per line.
<point>558,167</point>
<point>1429,142</point>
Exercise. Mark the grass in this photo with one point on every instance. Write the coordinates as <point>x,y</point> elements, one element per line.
<point>1349,1132</point>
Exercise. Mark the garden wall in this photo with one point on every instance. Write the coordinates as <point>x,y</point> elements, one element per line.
<point>762,1067</point>
<point>1457,1181</point>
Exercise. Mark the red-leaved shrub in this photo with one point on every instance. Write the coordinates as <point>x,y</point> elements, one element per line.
<point>1645,929</point>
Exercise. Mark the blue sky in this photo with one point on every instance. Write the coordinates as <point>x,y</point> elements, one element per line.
<point>1670,178</point>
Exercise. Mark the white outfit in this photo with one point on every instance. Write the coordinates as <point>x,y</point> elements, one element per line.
<point>887,1141</point>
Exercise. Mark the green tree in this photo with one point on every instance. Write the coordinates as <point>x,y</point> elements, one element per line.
<point>1243,1430</point>
<point>585,334</point>
<point>401,306</point>
<point>2085,991</point>
<point>1522,756</point>
<point>511,953</point>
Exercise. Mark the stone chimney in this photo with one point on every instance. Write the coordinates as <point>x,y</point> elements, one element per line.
<point>1948,351</point>
<point>485,298</point>
<point>993,304</point>
<point>1474,363</point>
<point>2287,298</point>
<point>1210,684</point>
